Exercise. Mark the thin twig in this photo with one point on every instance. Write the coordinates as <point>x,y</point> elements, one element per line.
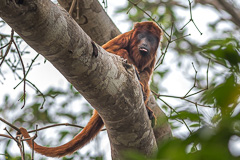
<point>105,3</point>
<point>72,7</point>
<point>195,80</point>
<point>135,4</point>
<point>191,18</point>
<point>60,124</point>
<point>9,47</point>
<point>184,36</point>
<point>33,138</point>
<point>132,6</point>
<point>78,10</point>
<point>206,88</point>
<point>40,93</point>
<point>196,92</point>
<point>11,135</point>
<point>55,125</point>
<point>198,115</point>
<point>161,58</point>
<point>9,124</point>
<point>24,76</point>
<point>23,150</point>
<point>177,114</point>
<point>177,97</point>
<point>208,70</point>
<point>21,146</point>
<point>5,46</point>
<point>29,68</point>
<point>6,136</point>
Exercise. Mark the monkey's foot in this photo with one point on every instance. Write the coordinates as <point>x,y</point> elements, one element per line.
<point>151,116</point>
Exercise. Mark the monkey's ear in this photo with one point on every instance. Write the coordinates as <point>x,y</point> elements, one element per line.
<point>135,24</point>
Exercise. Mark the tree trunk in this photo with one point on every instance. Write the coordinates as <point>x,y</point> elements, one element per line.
<point>105,80</point>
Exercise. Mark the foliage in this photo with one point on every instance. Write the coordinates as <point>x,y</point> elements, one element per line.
<point>210,130</point>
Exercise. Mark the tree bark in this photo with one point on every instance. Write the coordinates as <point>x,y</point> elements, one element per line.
<point>93,20</point>
<point>105,80</point>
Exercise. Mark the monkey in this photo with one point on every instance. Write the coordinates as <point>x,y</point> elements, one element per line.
<point>139,47</point>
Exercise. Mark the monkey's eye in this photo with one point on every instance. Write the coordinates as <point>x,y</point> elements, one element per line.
<point>151,39</point>
<point>140,36</point>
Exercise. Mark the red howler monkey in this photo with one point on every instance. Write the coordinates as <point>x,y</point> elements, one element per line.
<point>139,47</point>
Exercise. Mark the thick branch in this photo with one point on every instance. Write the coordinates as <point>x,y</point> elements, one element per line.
<point>106,81</point>
<point>223,5</point>
<point>230,9</point>
<point>93,20</point>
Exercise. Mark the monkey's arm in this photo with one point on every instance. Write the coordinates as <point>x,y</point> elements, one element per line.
<point>124,54</point>
<point>144,79</point>
<point>88,133</point>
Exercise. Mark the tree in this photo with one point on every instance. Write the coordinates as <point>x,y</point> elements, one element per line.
<point>73,53</point>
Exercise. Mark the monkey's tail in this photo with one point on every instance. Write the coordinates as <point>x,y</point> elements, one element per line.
<point>86,135</point>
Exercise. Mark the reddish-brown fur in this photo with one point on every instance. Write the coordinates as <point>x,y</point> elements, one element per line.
<point>127,46</point>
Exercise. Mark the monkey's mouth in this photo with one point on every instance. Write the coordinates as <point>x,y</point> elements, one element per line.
<point>144,51</point>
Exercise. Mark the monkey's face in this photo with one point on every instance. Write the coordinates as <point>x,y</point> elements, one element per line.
<point>143,50</point>
<point>147,43</point>
<point>143,44</point>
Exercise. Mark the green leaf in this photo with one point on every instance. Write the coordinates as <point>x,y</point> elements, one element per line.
<point>225,52</point>
<point>225,96</point>
<point>186,115</point>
